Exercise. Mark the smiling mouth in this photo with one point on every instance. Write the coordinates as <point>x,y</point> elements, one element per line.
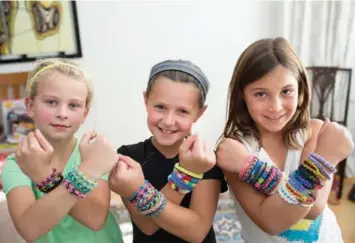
<point>166,131</point>
<point>274,118</point>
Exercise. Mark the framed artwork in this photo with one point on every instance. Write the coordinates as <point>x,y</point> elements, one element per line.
<point>30,30</point>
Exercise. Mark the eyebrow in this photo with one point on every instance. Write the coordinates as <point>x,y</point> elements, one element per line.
<point>178,107</point>
<point>47,96</point>
<point>264,89</point>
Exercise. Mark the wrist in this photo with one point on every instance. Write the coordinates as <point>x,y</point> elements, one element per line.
<point>327,157</point>
<point>51,182</point>
<point>88,172</point>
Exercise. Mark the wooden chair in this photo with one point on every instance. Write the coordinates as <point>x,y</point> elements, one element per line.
<point>330,98</point>
<point>12,85</point>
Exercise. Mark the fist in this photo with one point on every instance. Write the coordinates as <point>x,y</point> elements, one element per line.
<point>232,155</point>
<point>98,156</point>
<point>126,177</point>
<point>196,156</point>
<point>334,142</point>
<point>34,155</point>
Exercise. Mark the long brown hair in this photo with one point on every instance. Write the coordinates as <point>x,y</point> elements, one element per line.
<point>260,58</point>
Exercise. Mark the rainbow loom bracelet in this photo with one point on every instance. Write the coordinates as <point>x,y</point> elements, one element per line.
<point>77,183</point>
<point>182,182</point>
<point>51,182</point>
<point>148,201</point>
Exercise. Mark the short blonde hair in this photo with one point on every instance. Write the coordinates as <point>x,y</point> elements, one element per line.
<point>50,66</point>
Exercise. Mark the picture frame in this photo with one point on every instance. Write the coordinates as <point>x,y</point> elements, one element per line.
<point>30,30</point>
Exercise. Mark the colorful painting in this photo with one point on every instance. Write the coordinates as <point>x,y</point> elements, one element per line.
<point>34,29</point>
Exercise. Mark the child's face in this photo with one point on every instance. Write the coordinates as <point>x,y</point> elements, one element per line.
<point>172,108</point>
<point>59,107</point>
<point>272,100</point>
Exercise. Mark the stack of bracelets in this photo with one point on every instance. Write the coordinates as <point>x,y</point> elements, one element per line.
<point>182,180</point>
<point>150,202</point>
<point>75,182</point>
<point>294,189</point>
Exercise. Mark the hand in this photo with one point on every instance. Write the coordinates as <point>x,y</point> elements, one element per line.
<point>196,156</point>
<point>334,142</point>
<point>98,156</point>
<point>34,155</point>
<point>126,177</point>
<point>232,155</point>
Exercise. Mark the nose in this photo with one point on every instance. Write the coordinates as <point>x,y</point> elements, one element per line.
<point>275,105</point>
<point>62,112</point>
<point>169,119</point>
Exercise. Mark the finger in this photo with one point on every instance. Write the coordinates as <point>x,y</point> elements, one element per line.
<point>198,147</point>
<point>20,147</point>
<point>325,124</point>
<point>42,141</point>
<point>127,160</point>
<point>113,172</point>
<point>88,137</point>
<point>187,144</point>
<point>32,141</point>
<point>337,125</point>
<point>121,167</point>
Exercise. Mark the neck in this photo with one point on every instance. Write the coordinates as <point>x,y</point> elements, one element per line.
<point>271,137</point>
<point>62,149</point>
<point>168,151</point>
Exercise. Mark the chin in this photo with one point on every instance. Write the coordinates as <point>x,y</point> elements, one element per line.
<point>55,136</point>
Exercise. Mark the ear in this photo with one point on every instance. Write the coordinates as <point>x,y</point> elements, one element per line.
<point>201,112</point>
<point>86,112</point>
<point>145,97</point>
<point>29,107</point>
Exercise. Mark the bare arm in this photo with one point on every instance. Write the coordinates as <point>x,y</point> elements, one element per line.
<point>322,194</point>
<point>192,224</point>
<point>92,211</point>
<point>147,225</point>
<point>273,214</point>
<point>47,212</point>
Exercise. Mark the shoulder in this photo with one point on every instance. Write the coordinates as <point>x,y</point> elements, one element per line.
<point>216,174</point>
<point>10,164</point>
<point>135,151</point>
<point>12,175</point>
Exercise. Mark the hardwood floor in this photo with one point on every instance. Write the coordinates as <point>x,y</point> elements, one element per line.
<point>345,213</point>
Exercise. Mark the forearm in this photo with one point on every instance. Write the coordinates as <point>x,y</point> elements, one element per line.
<point>147,225</point>
<point>321,201</point>
<point>278,215</point>
<point>272,214</point>
<point>183,222</point>
<point>92,211</point>
<point>47,212</point>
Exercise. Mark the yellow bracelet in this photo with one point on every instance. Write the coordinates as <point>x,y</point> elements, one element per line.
<point>198,176</point>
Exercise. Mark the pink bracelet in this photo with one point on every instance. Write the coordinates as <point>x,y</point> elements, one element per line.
<point>249,161</point>
<point>71,188</point>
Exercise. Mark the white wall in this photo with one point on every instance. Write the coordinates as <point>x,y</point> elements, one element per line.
<point>121,41</point>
